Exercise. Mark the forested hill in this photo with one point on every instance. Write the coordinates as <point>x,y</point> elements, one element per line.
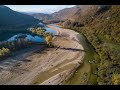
<point>100,19</point>
<point>101,26</point>
<point>9,18</point>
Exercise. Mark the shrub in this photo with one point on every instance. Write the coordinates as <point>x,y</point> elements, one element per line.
<point>48,39</point>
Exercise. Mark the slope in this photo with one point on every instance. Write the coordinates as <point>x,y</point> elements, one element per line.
<point>101,28</point>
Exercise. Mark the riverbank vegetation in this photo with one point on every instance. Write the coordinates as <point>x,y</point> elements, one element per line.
<point>102,31</point>
<point>42,32</point>
<point>4,52</point>
<point>7,48</point>
<point>87,72</point>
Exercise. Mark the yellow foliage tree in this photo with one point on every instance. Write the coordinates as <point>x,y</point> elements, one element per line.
<point>48,39</point>
<point>116,78</point>
<point>4,52</point>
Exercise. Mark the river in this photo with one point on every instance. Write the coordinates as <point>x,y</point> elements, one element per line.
<point>32,38</point>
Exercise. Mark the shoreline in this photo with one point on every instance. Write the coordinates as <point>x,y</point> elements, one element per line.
<point>51,66</point>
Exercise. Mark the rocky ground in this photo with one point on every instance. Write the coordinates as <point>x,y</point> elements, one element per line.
<point>44,66</point>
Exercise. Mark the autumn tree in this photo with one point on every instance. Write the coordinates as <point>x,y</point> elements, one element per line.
<point>116,79</point>
<point>48,39</point>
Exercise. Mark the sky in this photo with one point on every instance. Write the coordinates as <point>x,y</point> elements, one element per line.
<point>38,8</point>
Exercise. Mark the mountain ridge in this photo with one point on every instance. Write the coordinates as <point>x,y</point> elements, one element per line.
<point>14,18</point>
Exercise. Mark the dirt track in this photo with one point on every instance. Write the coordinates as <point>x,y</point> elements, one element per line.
<point>50,66</point>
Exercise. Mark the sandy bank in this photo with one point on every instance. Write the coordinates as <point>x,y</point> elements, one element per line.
<point>51,66</point>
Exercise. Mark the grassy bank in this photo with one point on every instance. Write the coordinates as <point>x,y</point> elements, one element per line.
<point>86,73</point>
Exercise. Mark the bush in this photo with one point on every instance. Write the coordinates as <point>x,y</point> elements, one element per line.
<point>48,39</point>
<point>4,52</point>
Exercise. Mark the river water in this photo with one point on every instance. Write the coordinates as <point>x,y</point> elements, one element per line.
<point>35,38</point>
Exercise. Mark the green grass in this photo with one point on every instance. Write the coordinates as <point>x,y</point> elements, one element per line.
<point>84,74</point>
<point>113,45</point>
<point>79,76</point>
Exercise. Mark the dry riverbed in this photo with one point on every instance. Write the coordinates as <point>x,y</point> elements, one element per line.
<point>44,66</point>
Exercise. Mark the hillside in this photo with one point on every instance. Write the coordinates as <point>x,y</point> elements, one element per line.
<point>41,16</point>
<point>13,19</point>
<point>65,13</point>
<point>100,25</point>
<point>45,18</point>
<point>62,14</point>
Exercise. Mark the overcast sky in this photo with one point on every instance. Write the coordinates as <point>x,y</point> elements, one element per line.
<point>38,8</point>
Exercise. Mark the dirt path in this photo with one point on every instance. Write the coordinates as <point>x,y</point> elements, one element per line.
<point>50,66</point>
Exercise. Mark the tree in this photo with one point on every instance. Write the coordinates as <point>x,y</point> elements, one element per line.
<point>116,78</point>
<point>4,52</point>
<point>48,39</point>
<point>48,34</point>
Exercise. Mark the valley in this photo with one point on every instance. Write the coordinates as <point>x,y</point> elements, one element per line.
<point>77,45</point>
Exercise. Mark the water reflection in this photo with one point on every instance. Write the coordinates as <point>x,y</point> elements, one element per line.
<point>30,37</point>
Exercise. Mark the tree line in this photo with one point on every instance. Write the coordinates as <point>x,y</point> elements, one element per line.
<point>42,32</point>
